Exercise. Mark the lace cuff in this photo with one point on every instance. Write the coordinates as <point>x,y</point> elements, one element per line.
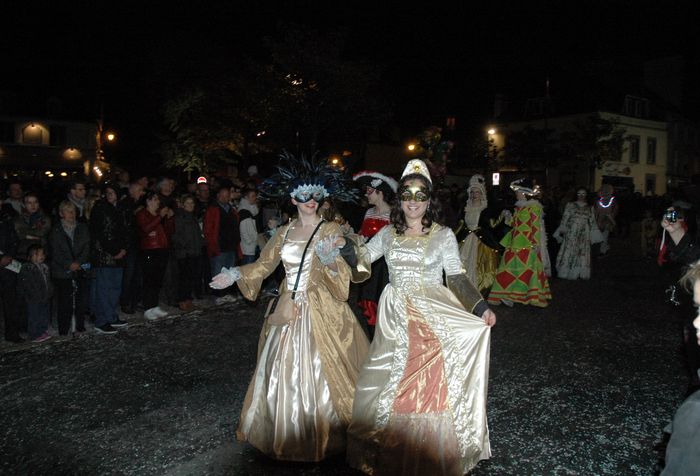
<point>326,250</point>
<point>226,278</point>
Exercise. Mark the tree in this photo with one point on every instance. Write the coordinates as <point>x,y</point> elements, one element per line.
<point>594,140</point>
<point>305,95</point>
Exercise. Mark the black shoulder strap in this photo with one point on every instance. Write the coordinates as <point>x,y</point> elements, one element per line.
<point>303,255</point>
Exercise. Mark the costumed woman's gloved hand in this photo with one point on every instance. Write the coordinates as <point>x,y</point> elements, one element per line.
<point>226,278</point>
<point>328,248</point>
<point>507,216</point>
<point>489,317</point>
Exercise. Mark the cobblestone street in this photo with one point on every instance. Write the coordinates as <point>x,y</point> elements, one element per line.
<point>582,387</point>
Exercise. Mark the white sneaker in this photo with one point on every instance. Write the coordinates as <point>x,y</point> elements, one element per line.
<point>160,312</point>
<point>151,314</point>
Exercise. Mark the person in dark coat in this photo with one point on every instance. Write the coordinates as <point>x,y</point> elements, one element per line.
<point>186,246</point>
<point>32,226</point>
<point>107,251</point>
<point>69,243</point>
<point>132,280</point>
<point>35,289</point>
<point>8,277</point>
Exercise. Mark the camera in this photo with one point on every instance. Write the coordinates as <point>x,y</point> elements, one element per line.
<point>671,216</point>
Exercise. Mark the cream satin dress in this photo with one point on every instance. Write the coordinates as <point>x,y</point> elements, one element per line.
<point>299,400</point>
<point>420,403</point>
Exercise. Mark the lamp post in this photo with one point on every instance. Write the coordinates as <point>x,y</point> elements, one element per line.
<point>100,137</point>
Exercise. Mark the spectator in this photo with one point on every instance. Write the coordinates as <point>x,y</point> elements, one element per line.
<point>247,213</point>
<point>8,277</point>
<point>107,250</point>
<point>202,204</point>
<point>128,206</point>
<point>76,195</point>
<point>32,226</point>
<point>187,247</point>
<point>35,289</point>
<point>203,200</point>
<point>165,188</point>
<point>155,227</point>
<point>683,249</point>
<point>253,176</point>
<point>14,196</point>
<point>682,455</point>
<point>222,234</point>
<point>69,242</point>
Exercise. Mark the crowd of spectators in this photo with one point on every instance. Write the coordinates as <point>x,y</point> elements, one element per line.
<point>93,255</point>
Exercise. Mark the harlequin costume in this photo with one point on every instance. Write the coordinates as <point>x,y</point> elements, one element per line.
<point>374,221</point>
<point>522,273</point>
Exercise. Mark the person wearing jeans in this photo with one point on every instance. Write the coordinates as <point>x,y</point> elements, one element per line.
<point>108,248</point>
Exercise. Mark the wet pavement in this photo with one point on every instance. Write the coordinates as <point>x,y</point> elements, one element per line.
<point>582,387</point>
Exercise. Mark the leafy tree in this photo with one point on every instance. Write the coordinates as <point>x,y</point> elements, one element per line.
<point>305,95</point>
<point>594,140</point>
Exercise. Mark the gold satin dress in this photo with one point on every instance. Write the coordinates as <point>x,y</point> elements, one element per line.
<point>299,401</point>
<point>420,403</point>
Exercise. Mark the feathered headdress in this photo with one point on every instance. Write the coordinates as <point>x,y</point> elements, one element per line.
<point>303,179</point>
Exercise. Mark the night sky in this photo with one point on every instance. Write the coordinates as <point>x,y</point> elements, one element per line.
<point>438,59</point>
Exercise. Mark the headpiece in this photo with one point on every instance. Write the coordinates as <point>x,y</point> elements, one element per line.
<point>477,182</point>
<point>304,180</point>
<point>525,185</point>
<point>375,180</point>
<point>417,166</point>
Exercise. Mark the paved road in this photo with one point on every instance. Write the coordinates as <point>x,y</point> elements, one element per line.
<point>583,387</point>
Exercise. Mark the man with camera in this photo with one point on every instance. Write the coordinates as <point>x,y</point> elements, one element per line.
<point>683,248</point>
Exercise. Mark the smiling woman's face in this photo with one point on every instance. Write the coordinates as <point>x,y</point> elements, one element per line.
<point>413,209</point>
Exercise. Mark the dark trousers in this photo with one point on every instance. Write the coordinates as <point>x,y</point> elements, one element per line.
<point>8,296</point>
<point>202,288</point>
<point>132,280</point>
<point>37,318</point>
<point>69,305</point>
<point>189,275</point>
<point>154,264</point>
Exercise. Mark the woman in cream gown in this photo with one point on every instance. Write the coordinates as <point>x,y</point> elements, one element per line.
<point>420,404</point>
<point>299,401</point>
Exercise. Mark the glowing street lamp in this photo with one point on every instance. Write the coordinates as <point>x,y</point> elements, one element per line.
<point>411,147</point>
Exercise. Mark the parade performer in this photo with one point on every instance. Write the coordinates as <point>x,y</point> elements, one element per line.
<point>420,404</point>
<point>479,249</point>
<point>299,401</point>
<point>525,266</point>
<point>380,191</point>
<point>606,209</point>
<point>576,232</point>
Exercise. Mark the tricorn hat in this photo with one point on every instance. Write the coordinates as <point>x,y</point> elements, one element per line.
<point>525,185</point>
<point>371,178</point>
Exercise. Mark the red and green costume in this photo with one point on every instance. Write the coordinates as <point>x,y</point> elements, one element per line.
<point>521,275</point>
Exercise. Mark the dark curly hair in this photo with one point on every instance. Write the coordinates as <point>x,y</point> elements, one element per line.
<point>432,214</point>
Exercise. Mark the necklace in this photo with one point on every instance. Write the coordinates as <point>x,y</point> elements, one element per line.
<point>610,202</point>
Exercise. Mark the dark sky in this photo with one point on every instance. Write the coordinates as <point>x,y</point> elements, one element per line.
<point>439,57</point>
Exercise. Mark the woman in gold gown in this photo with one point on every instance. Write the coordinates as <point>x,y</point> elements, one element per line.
<point>420,403</point>
<point>299,401</point>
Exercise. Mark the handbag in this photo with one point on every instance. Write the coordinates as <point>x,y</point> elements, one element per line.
<point>281,310</point>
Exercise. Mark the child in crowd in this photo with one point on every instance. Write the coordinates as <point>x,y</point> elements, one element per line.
<point>35,289</point>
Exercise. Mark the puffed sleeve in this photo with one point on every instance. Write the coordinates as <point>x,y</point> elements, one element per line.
<point>252,274</point>
<point>456,276</point>
<point>366,254</point>
<point>337,282</point>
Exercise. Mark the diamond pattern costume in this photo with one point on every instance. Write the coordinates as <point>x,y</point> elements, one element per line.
<point>522,273</point>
